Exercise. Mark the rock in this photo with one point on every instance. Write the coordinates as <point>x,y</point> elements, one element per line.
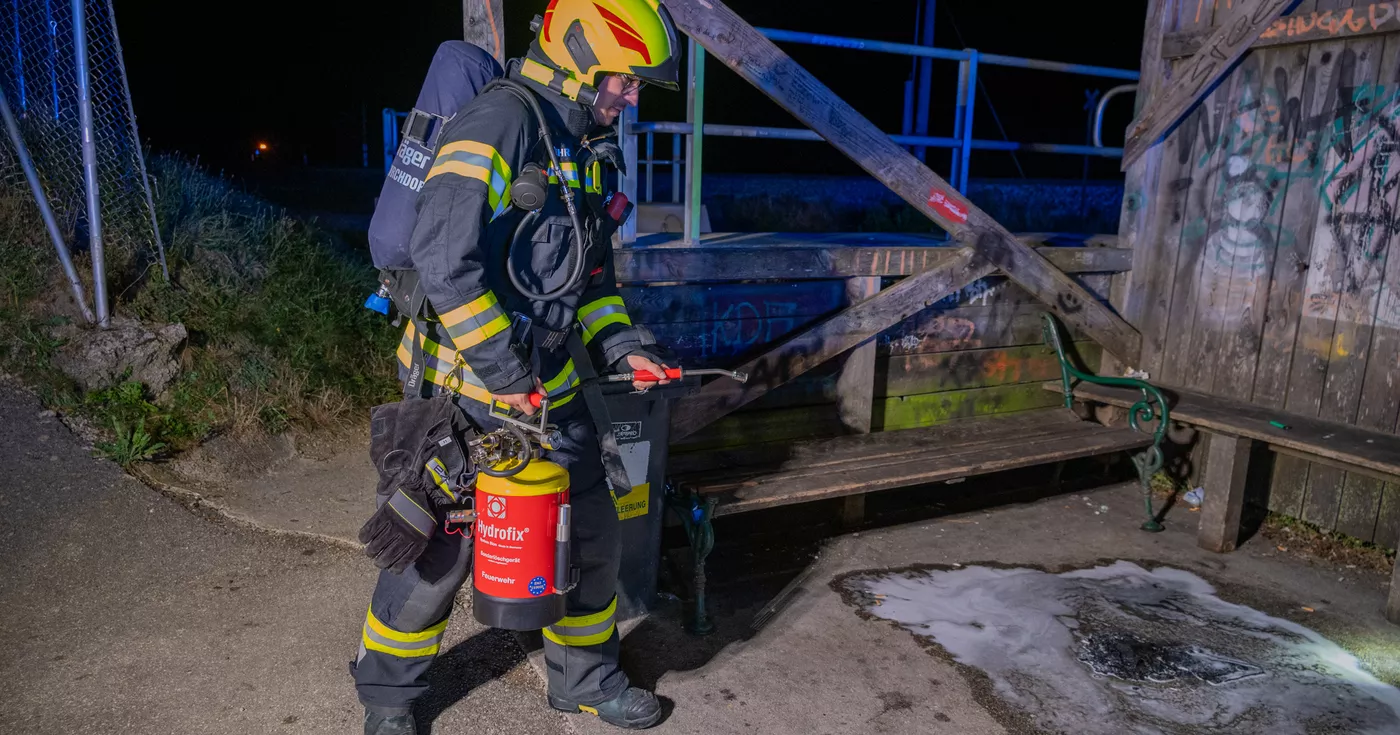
<point>99,358</point>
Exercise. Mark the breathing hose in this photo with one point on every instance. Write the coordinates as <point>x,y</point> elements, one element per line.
<point>576,253</point>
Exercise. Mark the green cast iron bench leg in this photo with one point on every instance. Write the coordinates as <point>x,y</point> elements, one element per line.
<point>1149,460</point>
<point>695,514</point>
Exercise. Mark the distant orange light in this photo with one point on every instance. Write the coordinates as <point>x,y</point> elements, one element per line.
<point>262,146</point>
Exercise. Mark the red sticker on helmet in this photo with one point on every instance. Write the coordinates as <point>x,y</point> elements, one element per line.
<point>627,36</point>
<point>946,205</point>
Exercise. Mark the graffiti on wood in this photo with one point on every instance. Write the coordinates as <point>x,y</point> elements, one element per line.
<point>1243,156</point>
<point>1319,25</point>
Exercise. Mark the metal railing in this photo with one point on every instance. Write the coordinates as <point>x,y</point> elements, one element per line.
<point>961,143</point>
<point>687,141</point>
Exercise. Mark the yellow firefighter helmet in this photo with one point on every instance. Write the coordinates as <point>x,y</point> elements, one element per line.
<point>586,39</point>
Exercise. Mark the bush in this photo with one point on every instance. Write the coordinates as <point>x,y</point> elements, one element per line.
<point>279,339</point>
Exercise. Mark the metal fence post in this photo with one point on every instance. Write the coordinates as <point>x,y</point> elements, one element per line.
<point>697,143</point>
<point>45,212</point>
<point>967,121</point>
<point>391,137</point>
<point>53,54</point>
<point>676,163</point>
<point>136,140</point>
<point>94,210</point>
<point>959,114</point>
<point>651,164</point>
<point>19,62</point>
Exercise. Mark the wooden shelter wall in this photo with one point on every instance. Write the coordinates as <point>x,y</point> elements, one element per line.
<point>1265,271</point>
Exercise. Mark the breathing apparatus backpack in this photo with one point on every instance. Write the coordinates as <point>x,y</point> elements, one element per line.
<point>458,73</point>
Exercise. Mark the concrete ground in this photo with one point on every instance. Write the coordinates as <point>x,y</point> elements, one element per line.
<point>125,612</point>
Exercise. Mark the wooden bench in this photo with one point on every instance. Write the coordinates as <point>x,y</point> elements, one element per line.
<point>1233,428</point>
<point>706,485</point>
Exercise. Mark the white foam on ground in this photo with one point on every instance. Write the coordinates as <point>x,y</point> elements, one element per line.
<point>1025,628</point>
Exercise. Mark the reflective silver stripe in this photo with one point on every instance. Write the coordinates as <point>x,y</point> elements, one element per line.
<point>569,631</point>
<point>568,383</point>
<point>601,312</point>
<point>411,649</point>
<point>417,516</point>
<point>476,321</point>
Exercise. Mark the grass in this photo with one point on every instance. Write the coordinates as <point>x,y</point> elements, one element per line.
<point>279,340</point>
<point>1289,533</point>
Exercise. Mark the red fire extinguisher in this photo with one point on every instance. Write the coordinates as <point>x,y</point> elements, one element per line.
<point>521,572</point>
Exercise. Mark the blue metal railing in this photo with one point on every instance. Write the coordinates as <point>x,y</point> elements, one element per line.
<point>962,142</point>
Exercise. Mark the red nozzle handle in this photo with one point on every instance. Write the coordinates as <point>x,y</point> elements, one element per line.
<point>536,399</point>
<point>648,376</point>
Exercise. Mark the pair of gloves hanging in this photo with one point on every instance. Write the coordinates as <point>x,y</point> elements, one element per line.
<point>418,446</point>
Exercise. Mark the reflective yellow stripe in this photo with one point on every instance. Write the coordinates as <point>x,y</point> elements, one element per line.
<point>594,181</point>
<point>438,470</point>
<point>473,160</point>
<point>593,619</point>
<point>483,311</point>
<point>580,640</point>
<point>567,378</point>
<point>498,162</point>
<point>596,304</point>
<point>476,336</point>
<point>448,380</point>
<point>484,304</point>
<point>441,352</point>
<point>374,645</point>
<point>613,312</point>
<point>395,635</point>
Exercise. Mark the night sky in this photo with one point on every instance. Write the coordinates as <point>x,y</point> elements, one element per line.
<point>300,73</point>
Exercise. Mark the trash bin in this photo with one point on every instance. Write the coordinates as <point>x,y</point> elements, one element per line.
<point>642,426</point>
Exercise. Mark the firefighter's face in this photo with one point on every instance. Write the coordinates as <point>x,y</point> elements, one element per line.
<point>615,94</point>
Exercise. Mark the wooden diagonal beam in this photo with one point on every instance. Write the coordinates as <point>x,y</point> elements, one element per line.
<point>1201,73</point>
<point>810,348</point>
<point>483,23</point>
<point>756,59</point>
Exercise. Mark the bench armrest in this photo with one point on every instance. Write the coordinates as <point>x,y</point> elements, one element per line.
<point>1153,406</point>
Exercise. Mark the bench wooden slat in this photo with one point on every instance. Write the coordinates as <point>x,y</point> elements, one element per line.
<point>1373,450</point>
<point>785,455</point>
<point>936,454</point>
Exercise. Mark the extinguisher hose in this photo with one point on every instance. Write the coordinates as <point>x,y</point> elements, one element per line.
<point>576,253</point>
<point>522,458</point>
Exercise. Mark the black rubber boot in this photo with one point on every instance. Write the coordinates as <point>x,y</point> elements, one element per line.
<point>382,723</point>
<point>633,709</point>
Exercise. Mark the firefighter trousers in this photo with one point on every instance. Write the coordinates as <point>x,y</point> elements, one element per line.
<point>408,612</point>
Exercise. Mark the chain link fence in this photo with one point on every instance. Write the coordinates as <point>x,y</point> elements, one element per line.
<point>39,75</point>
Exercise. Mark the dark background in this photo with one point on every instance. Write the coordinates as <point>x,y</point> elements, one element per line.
<point>311,76</point>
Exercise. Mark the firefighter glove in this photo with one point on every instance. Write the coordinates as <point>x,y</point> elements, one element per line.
<point>398,533</point>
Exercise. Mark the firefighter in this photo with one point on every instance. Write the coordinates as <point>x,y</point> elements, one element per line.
<point>512,316</point>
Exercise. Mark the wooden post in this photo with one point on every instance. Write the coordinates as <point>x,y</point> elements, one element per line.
<point>855,389</point>
<point>1227,464</point>
<point>1129,292</point>
<point>627,234</point>
<point>695,144</point>
<point>755,58</point>
<point>1201,73</point>
<point>483,23</point>
<point>1392,607</point>
<point>853,510</point>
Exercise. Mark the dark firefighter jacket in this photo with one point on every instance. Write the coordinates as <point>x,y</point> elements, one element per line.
<point>461,239</point>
